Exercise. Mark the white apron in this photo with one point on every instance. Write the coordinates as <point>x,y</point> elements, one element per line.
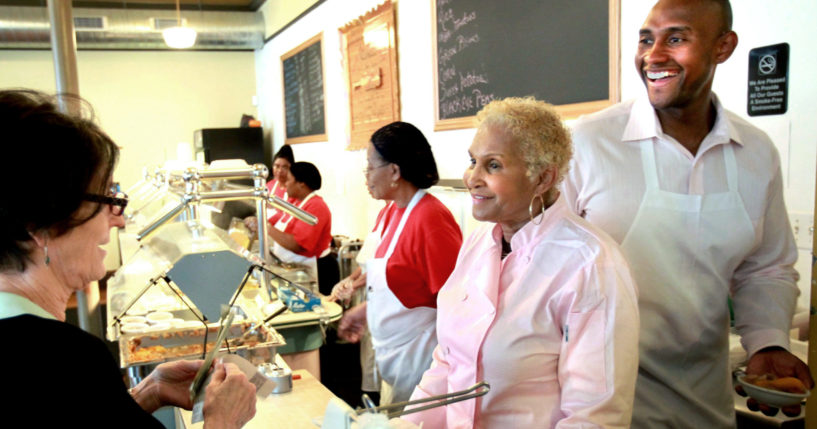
<point>271,210</point>
<point>274,188</point>
<point>286,255</point>
<point>403,338</point>
<point>683,250</point>
<point>285,197</point>
<point>370,380</point>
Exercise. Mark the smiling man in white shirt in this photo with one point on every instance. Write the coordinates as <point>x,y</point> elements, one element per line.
<point>694,195</point>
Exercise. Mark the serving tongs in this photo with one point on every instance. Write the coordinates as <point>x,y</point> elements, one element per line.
<point>474,391</point>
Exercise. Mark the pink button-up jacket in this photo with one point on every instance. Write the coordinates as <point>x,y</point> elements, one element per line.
<point>553,328</point>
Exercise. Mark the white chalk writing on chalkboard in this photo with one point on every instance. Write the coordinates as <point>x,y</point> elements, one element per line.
<point>303,92</point>
<point>466,90</point>
<point>557,51</point>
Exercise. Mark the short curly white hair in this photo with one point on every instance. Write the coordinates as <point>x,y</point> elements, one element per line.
<point>536,128</point>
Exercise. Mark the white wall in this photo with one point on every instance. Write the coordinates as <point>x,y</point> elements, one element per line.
<point>352,208</point>
<point>279,13</point>
<point>757,22</point>
<point>148,101</point>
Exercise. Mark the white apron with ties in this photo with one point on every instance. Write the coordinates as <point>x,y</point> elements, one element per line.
<point>683,250</point>
<point>286,255</point>
<point>370,380</point>
<point>403,338</point>
<point>271,211</point>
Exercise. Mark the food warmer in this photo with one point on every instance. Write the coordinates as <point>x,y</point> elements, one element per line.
<point>178,273</point>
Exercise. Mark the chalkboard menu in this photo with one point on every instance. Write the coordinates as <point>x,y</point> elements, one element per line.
<point>562,51</point>
<point>303,92</point>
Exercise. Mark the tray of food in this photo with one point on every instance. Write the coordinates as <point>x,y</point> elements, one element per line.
<point>251,340</point>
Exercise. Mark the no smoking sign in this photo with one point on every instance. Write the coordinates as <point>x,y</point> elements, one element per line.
<point>768,92</point>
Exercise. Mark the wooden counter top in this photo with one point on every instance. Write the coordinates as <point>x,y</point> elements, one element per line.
<point>295,409</point>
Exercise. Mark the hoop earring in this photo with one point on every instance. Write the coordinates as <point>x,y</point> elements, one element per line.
<point>530,208</point>
<point>45,250</point>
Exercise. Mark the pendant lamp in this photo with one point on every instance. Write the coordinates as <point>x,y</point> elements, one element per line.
<point>179,37</point>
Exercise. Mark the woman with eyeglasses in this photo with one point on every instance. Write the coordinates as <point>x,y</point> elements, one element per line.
<point>50,247</point>
<point>410,252</point>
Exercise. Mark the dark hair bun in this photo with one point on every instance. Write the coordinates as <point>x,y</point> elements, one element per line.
<point>403,144</point>
<point>307,173</point>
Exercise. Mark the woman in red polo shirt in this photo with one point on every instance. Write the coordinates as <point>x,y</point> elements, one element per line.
<point>415,242</point>
<point>294,240</point>
<point>281,163</point>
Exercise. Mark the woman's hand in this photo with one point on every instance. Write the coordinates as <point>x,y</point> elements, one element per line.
<point>168,384</point>
<point>229,400</point>
<point>343,290</point>
<point>352,325</point>
<point>251,223</point>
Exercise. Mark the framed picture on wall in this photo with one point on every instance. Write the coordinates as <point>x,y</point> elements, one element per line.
<point>370,57</point>
<point>304,101</point>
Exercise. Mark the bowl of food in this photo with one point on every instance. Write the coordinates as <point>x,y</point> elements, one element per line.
<point>774,391</point>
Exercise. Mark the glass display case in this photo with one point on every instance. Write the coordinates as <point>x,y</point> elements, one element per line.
<point>166,299</point>
<point>178,273</point>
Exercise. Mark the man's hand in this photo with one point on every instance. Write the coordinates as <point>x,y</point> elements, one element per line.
<point>781,363</point>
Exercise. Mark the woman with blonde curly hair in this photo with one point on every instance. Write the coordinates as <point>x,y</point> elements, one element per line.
<point>541,304</point>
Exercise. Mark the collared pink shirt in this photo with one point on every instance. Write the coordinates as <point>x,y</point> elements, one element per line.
<point>553,328</point>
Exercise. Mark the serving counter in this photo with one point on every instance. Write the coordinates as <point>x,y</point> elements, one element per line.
<point>300,408</point>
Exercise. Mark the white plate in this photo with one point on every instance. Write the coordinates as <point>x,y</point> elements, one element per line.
<point>159,317</point>
<point>133,328</point>
<point>771,397</point>
<point>132,319</point>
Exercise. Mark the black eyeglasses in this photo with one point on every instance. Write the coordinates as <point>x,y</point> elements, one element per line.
<point>116,200</point>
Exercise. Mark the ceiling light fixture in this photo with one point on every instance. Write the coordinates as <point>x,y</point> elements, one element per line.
<point>179,37</point>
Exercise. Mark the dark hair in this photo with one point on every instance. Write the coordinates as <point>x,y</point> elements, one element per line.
<point>40,144</point>
<point>403,144</point>
<point>286,153</point>
<point>307,173</point>
<point>726,10</point>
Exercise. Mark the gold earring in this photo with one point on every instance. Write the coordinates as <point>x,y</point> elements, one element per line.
<point>45,250</point>
<point>393,184</point>
<point>530,208</point>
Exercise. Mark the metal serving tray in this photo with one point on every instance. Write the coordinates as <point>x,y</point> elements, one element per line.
<point>251,340</point>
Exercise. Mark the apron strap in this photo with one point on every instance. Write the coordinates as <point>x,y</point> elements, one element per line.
<point>275,188</point>
<point>731,167</point>
<point>648,162</point>
<point>381,226</point>
<point>651,169</point>
<point>300,206</point>
<point>414,200</point>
